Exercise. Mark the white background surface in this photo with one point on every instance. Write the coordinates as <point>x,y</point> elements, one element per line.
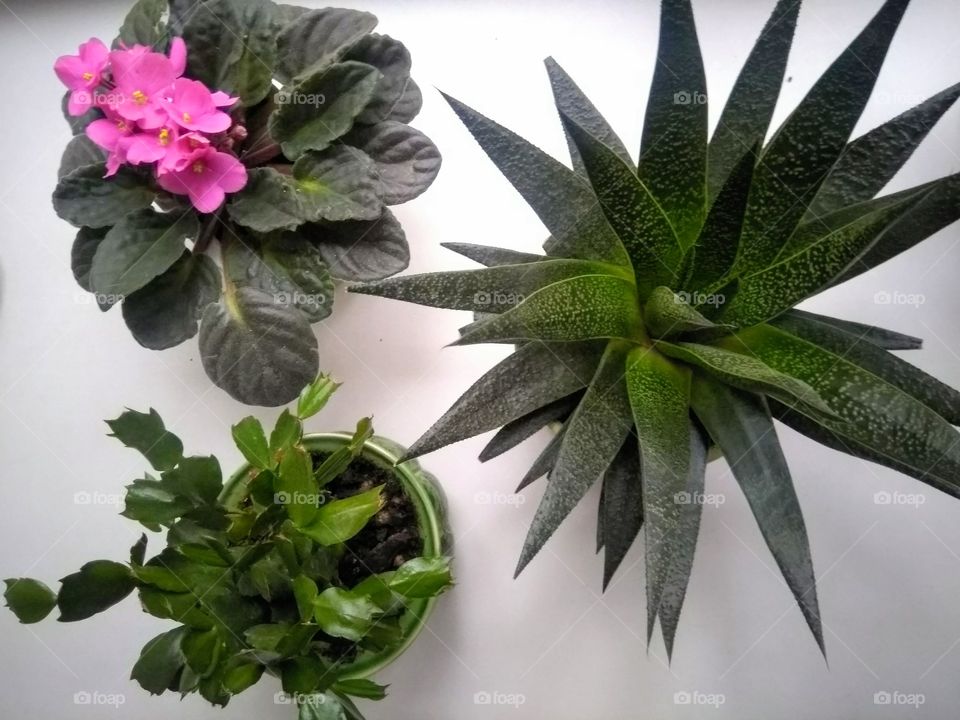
<point>889,576</point>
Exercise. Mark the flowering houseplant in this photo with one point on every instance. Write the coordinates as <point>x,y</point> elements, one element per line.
<point>661,320</point>
<point>313,563</point>
<point>277,133</point>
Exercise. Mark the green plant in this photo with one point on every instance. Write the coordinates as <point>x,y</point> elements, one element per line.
<point>310,132</point>
<point>255,583</point>
<point>661,319</point>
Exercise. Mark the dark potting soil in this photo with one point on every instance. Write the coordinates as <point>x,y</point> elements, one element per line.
<point>391,537</point>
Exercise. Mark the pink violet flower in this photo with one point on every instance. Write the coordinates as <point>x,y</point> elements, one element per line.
<point>82,73</point>
<point>192,106</point>
<point>149,147</point>
<point>178,56</point>
<point>206,178</point>
<point>179,153</point>
<point>108,133</point>
<point>142,79</point>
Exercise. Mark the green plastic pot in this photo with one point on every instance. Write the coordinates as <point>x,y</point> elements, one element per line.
<point>430,505</point>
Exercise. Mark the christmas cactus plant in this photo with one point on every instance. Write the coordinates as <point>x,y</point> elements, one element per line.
<point>276,133</point>
<point>661,319</point>
<point>303,566</point>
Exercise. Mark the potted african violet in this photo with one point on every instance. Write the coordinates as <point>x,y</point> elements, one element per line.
<point>271,138</point>
<point>317,562</point>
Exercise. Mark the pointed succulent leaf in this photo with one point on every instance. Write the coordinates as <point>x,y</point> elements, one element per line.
<point>318,38</point>
<point>544,463</point>
<point>591,439</point>
<point>666,314</point>
<point>939,397</point>
<point>874,414</point>
<point>30,600</point>
<point>632,211</point>
<point>807,145</point>
<point>580,308</point>
<point>84,198</point>
<point>939,208</point>
<point>98,585</point>
<point>321,108</point>
<point>80,152</point>
<point>260,351</point>
<point>493,289</point>
<point>797,276</point>
<point>516,431</point>
<point>338,184</point>
<point>406,160</point>
<point>233,46</point>
<point>678,577</point>
<point>716,249</point>
<point>490,256</point>
<point>166,311</point>
<point>532,376</point>
<point>659,394</point>
<point>741,425</point>
<point>393,60</point>
<point>361,250</point>
<point>749,109</point>
<point>870,162</point>
<point>621,507</point>
<point>561,199</point>
<point>146,432</point>
<point>673,150</point>
<point>886,339</point>
<point>139,248</point>
<point>571,101</point>
<point>747,373</point>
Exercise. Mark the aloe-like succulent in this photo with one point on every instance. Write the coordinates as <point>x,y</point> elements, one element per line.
<point>273,133</point>
<point>661,321</point>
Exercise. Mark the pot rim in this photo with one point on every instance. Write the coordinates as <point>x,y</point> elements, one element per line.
<point>412,478</point>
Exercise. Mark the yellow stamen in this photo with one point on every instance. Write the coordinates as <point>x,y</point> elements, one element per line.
<point>164,137</point>
<point>198,167</point>
<point>121,126</point>
<point>138,97</point>
<point>88,76</point>
<point>194,143</point>
<point>186,117</point>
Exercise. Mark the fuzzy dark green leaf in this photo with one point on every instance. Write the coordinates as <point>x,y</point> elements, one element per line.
<point>30,600</point>
<point>146,432</point>
<point>581,308</point>
<point>741,425</point>
<point>392,59</point>
<point>82,253</point>
<point>80,152</point>
<point>319,37</point>
<point>167,310</point>
<point>409,104</point>
<point>532,376</point>
<point>98,585</point>
<point>312,114</point>
<point>571,101</point>
<point>659,394</point>
<point>260,351</point>
<point>85,198</point>
<point>749,109</point>
<point>406,160</point>
<point>561,199</point>
<point>870,162</point>
<point>673,150</point>
<point>144,24</point>
<point>361,250</point>
<point>632,211</point>
<point>804,149</point>
<point>593,435</point>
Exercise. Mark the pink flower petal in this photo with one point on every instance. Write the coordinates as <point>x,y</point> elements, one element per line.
<point>94,53</point>
<point>104,133</point>
<point>207,199</point>
<point>178,56</point>
<point>221,99</point>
